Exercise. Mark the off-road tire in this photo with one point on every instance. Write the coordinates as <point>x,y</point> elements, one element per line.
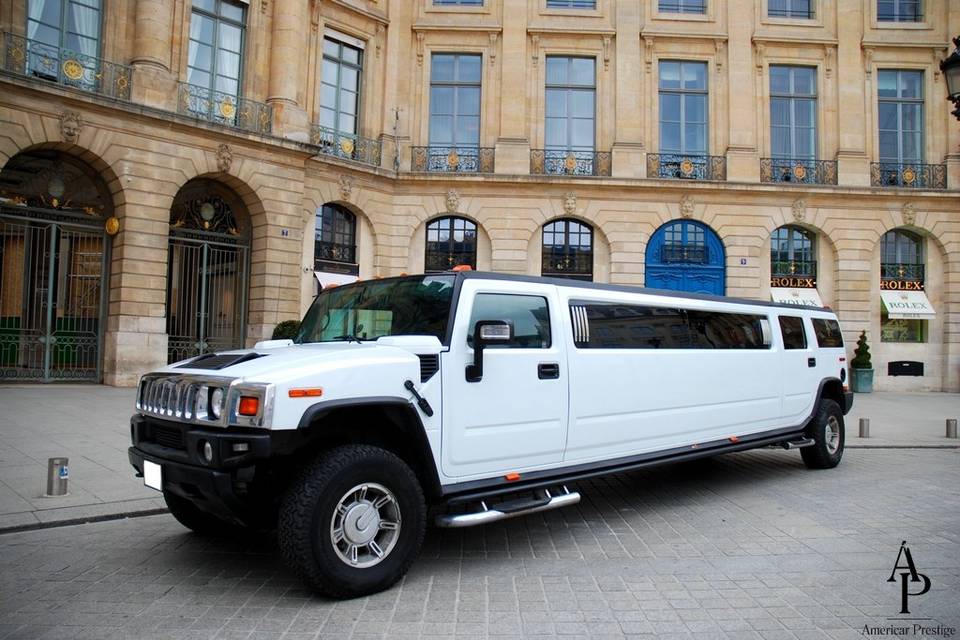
<point>307,513</point>
<point>827,431</point>
<point>199,521</point>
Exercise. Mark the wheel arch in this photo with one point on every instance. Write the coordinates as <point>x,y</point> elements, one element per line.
<point>391,423</point>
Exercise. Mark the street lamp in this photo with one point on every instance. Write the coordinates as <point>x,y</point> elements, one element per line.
<point>951,71</point>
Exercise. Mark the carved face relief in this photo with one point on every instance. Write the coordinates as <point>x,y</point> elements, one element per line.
<point>70,126</point>
<point>799,209</point>
<point>224,158</point>
<point>686,206</point>
<point>570,203</point>
<point>909,213</point>
<point>346,187</point>
<point>453,201</point>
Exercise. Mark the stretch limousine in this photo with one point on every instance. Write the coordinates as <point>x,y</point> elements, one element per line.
<point>481,394</point>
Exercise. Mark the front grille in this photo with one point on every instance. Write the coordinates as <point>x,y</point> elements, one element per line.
<point>168,437</point>
<point>429,365</point>
<point>175,397</point>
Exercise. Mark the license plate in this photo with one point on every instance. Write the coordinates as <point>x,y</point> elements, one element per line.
<point>153,475</point>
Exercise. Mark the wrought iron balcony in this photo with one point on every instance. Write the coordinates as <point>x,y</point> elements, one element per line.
<point>572,163</point>
<point>346,145</point>
<point>898,271</point>
<point>798,170</point>
<point>224,108</point>
<point>911,175</point>
<point>452,159</point>
<point>35,59</point>
<point>686,167</point>
<point>446,260</point>
<point>332,252</point>
<point>576,265</point>
<point>793,268</point>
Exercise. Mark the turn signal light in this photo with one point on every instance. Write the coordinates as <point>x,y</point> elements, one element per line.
<point>314,392</point>
<point>733,439</point>
<point>512,476</point>
<point>462,267</point>
<point>249,405</point>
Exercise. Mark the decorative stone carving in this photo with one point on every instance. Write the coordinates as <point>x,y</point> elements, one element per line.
<point>648,53</point>
<point>453,201</point>
<point>686,206</point>
<point>535,49</point>
<point>831,58</point>
<point>606,52</point>
<point>70,125</point>
<point>420,36</point>
<point>380,31</point>
<point>868,61</point>
<point>909,213</point>
<point>346,187</point>
<point>721,47</point>
<point>799,209</point>
<point>570,203</point>
<point>761,50</point>
<point>224,158</point>
<point>493,47</point>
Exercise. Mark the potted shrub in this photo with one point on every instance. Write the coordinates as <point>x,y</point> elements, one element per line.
<point>861,369</point>
<point>286,330</point>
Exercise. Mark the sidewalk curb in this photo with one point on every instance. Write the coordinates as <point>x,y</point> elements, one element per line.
<point>83,520</point>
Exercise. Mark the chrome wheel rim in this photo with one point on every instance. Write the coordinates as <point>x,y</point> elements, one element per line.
<point>832,435</point>
<point>365,525</point>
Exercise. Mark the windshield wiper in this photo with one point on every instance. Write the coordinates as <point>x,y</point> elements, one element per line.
<point>350,338</point>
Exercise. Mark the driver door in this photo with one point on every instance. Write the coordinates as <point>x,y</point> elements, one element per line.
<point>515,417</point>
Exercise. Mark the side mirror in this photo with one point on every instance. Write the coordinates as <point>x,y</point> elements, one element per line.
<point>486,332</point>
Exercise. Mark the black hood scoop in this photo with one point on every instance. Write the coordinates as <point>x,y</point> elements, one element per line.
<point>217,361</point>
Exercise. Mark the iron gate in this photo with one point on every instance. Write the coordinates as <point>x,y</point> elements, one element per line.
<point>53,271</point>
<point>206,294</point>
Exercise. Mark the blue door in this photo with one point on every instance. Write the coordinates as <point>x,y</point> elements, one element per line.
<point>685,255</point>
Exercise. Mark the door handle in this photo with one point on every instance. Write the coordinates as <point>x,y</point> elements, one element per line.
<point>548,370</point>
<point>811,362</point>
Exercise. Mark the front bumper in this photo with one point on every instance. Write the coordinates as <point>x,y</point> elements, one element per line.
<point>238,484</point>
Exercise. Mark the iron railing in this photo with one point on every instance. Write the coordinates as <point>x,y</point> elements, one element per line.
<point>674,253</point>
<point>898,271</point>
<point>793,268</point>
<point>576,265</point>
<point>36,59</point>
<point>686,167</point>
<point>224,108</point>
<point>911,175</point>
<point>798,170</point>
<point>333,252</point>
<point>452,159</point>
<point>573,163</point>
<point>346,145</point>
<point>445,260</point>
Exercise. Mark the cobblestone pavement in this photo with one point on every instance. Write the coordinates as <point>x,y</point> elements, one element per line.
<point>748,545</point>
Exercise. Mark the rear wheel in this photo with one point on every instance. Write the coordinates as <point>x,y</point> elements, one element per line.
<point>353,522</point>
<point>827,432</point>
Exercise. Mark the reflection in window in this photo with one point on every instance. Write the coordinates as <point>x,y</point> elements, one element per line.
<point>567,250</point>
<point>451,242</point>
<point>683,107</point>
<point>570,103</point>
<point>792,252</point>
<point>529,316</point>
<point>793,112</point>
<point>216,46</point>
<point>334,236</point>
<point>340,86</point>
<point>793,335</point>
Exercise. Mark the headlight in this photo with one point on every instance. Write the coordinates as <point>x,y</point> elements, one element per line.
<point>216,403</point>
<point>200,408</point>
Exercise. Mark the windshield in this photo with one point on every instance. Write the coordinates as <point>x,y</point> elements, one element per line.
<point>369,310</point>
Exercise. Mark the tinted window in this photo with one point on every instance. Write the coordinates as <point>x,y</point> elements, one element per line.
<point>625,326</point>
<point>828,333</point>
<point>793,335</point>
<point>529,316</point>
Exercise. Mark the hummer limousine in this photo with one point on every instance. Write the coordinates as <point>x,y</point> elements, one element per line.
<point>481,396</point>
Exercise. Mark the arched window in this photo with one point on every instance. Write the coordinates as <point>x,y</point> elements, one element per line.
<point>451,242</point>
<point>567,250</point>
<point>901,256</point>
<point>793,252</point>
<point>335,239</point>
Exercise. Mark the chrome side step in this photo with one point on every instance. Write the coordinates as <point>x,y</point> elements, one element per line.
<point>510,509</point>
<point>798,444</point>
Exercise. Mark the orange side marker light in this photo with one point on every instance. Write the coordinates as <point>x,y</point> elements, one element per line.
<point>513,476</point>
<point>312,392</point>
<point>734,439</point>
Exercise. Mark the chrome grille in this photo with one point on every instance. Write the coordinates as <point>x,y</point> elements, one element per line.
<point>174,397</point>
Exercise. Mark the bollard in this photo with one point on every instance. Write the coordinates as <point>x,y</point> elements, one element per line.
<point>864,427</point>
<point>951,427</point>
<point>57,475</point>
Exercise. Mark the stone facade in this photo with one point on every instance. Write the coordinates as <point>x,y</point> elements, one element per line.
<point>146,147</point>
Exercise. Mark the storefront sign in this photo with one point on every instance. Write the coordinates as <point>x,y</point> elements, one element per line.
<point>793,282</point>
<point>907,304</point>
<point>326,278</point>
<point>796,295</point>
<point>901,285</point>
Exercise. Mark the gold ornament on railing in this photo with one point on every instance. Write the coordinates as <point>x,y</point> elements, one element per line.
<point>570,163</point>
<point>800,171</point>
<point>909,175</point>
<point>346,145</point>
<point>72,69</point>
<point>686,167</point>
<point>227,110</point>
<point>453,159</point>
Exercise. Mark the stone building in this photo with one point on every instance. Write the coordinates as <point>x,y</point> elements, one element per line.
<point>178,175</point>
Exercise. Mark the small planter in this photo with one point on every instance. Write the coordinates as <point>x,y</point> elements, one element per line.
<point>862,380</point>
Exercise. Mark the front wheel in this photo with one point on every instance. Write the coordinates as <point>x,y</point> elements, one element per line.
<point>827,432</point>
<point>353,522</point>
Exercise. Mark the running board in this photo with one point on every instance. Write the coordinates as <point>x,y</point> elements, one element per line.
<point>509,509</point>
<point>798,444</point>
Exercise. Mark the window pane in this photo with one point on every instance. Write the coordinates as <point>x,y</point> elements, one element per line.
<point>670,137</point>
<point>712,330</point>
<point>804,81</point>
<point>780,142</point>
<point>231,11</point>
<point>696,139</point>
<point>888,146</point>
<point>441,68</point>
<point>887,84</point>
<point>582,134</point>
<point>201,56</point>
<point>792,330</point>
<point>83,20</point>
<point>348,78</point>
<point>804,113</point>
<point>469,69</point>
<point>229,38</point>
<point>911,147</point>
<point>669,107</point>
<point>624,326</point>
<point>327,117</point>
<point>199,78</point>
<point>911,117</point>
<point>331,47</point>
<point>468,101</point>
<point>347,123</point>
<point>330,71</point>
<point>887,115</point>
<point>694,75</point>
<point>581,104</point>
<point>581,71</point>
<point>226,85</point>
<point>557,70</point>
<point>556,103</point>
<point>779,79</point>
<point>228,64</point>
<point>351,55</point>
<point>206,5</point>
<point>828,333</point>
<point>556,132</point>
<point>911,83</point>
<point>201,28</point>
<point>441,100</point>
<point>695,110</point>
<point>468,130</point>
<point>779,112</point>
<point>328,96</point>
<point>441,129</point>
<point>348,102</point>
<point>529,316</point>
<point>669,75</point>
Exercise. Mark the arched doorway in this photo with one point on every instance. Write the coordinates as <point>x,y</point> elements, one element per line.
<point>686,255</point>
<point>207,274</point>
<point>53,267</point>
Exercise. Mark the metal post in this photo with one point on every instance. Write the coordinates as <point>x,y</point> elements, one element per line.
<point>57,475</point>
<point>951,427</point>
<point>864,427</point>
